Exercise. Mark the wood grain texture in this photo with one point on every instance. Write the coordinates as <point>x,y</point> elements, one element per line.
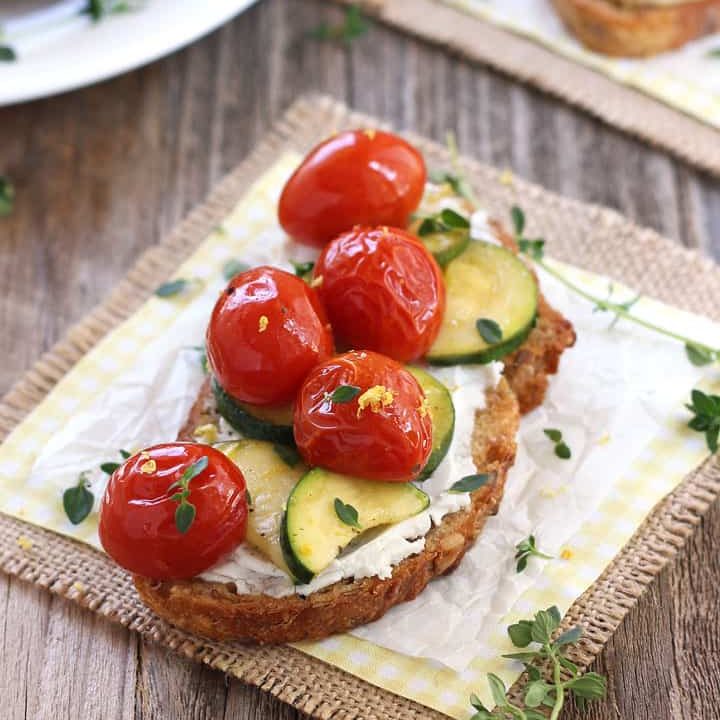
<point>104,172</point>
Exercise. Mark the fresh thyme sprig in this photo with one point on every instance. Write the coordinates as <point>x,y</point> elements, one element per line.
<point>7,196</point>
<point>347,514</point>
<point>706,410</point>
<point>185,511</point>
<point>446,220</point>
<point>567,679</point>
<point>526,549</point>
<point>78,500</point>
<point>698,353</point>
<point>354,25</point>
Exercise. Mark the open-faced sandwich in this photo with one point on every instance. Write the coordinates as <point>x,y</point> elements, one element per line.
<point>638,28</point>
<point>359,417</point>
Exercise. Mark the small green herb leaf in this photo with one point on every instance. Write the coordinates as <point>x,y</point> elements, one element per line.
<point>457,183</point>
<point>543,627</point>
<point>526,549</point>
<point>172,287</point>
<point>347,513</point>
<point>518,220</point>
<point>497,688</point>
<point>344,393</point>
<point>533,248</point>
<point>489,331</point>
<point>7,54</point>
<point>192,471</point>
<point>707,416</point>
<point>184,516</point>
<point>454,220</point>
<point>554,435</point>
<point>536,693</point>
<point>569,636</point>
<point>109,467</point>
<point>699,356</point>
<point>563,451</point>
<point>7,196</point>
<point>124,454</point>
<point>469,483</point>
<point>476,702</point>
<point>249,499</point>
<point>234,267</point>
<point>590,686</point>
<point>287,453</point>
<point>353,26</point>
<point>520,633</point>
<point>78,501</point>
<point>302,268</point>
<point>713,54</point>
<point>523,657</point>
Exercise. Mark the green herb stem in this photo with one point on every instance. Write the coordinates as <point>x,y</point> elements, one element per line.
<point>452,145</point>
<point>620,310</point>
<point>560,691</point>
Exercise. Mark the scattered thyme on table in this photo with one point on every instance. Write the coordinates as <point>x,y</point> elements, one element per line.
<point>354,25</point>
<point>7,196</point>
<point>526,549</point>
<point>567,679</point>
<point>78,500</point>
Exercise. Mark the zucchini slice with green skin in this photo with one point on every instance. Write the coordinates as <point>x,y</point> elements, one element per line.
<point>274,424</point>
<point>442,414</point>
<point>446,246</point>
<point>270,480</point>
<point>313,534</point>
<point>486,282</point>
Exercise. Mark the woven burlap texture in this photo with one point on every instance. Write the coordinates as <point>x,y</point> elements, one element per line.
<point>591,237</point>
<point>618,105</point>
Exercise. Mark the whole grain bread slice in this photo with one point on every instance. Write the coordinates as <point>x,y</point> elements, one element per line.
<point>217,611</point>
<point>638,29</point>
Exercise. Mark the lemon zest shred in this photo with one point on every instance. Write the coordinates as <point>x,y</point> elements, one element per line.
<point>376,398</point>
<point>207,433</point>
<point>263,323</point>
<point>424,407</point>
<point>370,133</point>
<point>148,467</point>
<point>24,542</point>
<point>566,554</point>
<point>507,177</point>
<point>316,281</point>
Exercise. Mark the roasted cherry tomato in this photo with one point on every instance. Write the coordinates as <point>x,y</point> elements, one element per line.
<point>268,329</point>
<point>382,290</point>
<point>363,414</point>
<point>357,177</point>
<point>141,527</point>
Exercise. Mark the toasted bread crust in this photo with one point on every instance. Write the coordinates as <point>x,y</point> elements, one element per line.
<point>527,369</point>
<point>216,611</point>
<point>635,30</point>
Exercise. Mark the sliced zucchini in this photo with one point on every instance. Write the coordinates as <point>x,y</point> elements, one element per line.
<point>446,246</point>
<point>442,414</point>
<point>313,534</point>
<point>274,424</point>
<point>270,480</point>
<point>486,282</point>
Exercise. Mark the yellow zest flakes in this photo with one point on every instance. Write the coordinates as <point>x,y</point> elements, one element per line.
<point>551,492</point>
<point>148,467</point>
<point>506,177</point>
<point>207,434</point>
<point>370,133</point>
<point>78,586</point>
<point>424,407</point>
<point>566,554</point>
<point>376,398</point>
<point>316,281</point>
<point>24,543</point>
<point>263,323</point>
<point>604,439</point>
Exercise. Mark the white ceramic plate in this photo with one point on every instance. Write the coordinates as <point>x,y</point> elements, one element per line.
<point>68,50</point>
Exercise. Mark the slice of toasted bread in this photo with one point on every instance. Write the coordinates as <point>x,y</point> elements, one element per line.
<point>217,611</point>
<point>637,29</point>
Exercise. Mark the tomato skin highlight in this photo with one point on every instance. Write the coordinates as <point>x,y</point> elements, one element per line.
<point>137,515</point>
<point>356,177</point>
<point>267,330</point>
<point>391,442</point>
<point>383,291</point>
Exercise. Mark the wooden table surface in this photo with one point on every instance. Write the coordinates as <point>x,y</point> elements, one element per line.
<point>104,172</point>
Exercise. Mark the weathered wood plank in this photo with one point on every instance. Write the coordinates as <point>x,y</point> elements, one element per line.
<point>102,173</point>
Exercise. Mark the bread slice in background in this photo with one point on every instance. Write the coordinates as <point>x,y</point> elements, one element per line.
<point>637,28</point>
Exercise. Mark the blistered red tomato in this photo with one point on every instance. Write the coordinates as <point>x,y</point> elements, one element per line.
<point>382,290</point>
<point>363,414</point>
<point>357,177</point>
<point>140,527</point>
<point>268,329</point>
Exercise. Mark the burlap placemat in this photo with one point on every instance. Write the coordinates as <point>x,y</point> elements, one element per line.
<point>617,104</point>
<point>595,238</point>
